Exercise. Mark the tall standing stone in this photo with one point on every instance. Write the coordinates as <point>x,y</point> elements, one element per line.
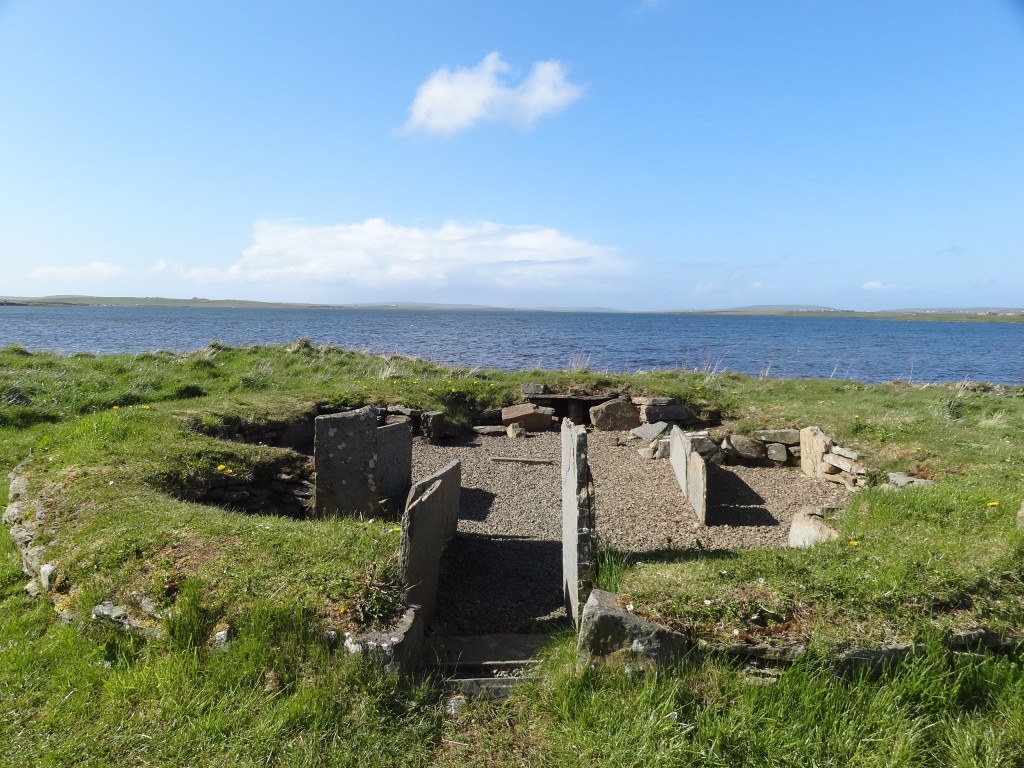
<point>394,462</point>
<point>679,456</point>
<point>578,555</point>
<point>345,458</point>
<point>420,549</point>
<point>450,492</point>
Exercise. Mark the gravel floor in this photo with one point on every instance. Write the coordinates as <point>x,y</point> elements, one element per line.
<point>503,571</point>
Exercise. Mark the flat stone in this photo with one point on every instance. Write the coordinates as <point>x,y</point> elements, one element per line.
<point>651,413</point>
<point>450,492</point>
<point>814,444</point>
<point>18,487</point>
<point>533,417</point>
<point>515,430</point>
<point>647,453</point>
<point>393,470</point>
<point>777,452</point>
<point>22,536</point>
<point>617,415</point>
<point>15,511</point>
<point>420,549</point>
<point>345,456</point>
<point>534,388</point>
<point>903,480</point>
<point>844,464</point>
<point>108,613</point>
<point>697,485</point>
<point>610,636</point>
<point>432,425</point>
<point>491,431</point>
<point>648,432</point>
<point>846,453</point>
<point>654,400</point>
<point>784,436</point>
<point>808,528</point>
<point>397,419</point>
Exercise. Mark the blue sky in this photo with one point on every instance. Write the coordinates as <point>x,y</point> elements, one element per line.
<point>681,154</point>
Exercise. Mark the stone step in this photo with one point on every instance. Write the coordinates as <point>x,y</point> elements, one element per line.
<point>489,688</point>
<point>490,656</point>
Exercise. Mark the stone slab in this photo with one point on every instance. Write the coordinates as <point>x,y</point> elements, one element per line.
<point>747,448</point>
<point>432,425</point>
<point>697,485</point>
<point>654,401</point>
<point>578,535</point>
<point>808,528</point>
<point>345,458</point>
<point>534,388</point>
<point>679,456</point>
<point>533,417</point>
<point>844,464</point>
<point>814,444</point>
<point>424,527</point>
<point>618,415</point>
<point>394,462</point>
<point>777,452</point>
<point>450,478</point>
<point>648,432</point>
<point>650,413</point>
<point>784,436</point>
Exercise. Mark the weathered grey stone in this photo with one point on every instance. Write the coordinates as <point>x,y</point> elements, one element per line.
<point>46,571</point>
<point>647,453</point>
<point>663,450</point>
<point>578,516</point>
<point>697,485</point>
<point>420,549</point>
<point>394,462</point>
<point>648,432</point>
<point>814,444</point>
<point>450,493</point>
<point>22,536</point>
<point>32,588</point>
<point>747,448</point>
<point>515,430</point>
<point>902,480</point>
<point>809,528</point>
<point>398,418</point>
<point>533,417</point>
<point>403,410</point>
<point>610,636</point>
<point>784,436</point>
<point>432,425</point>
<point>651,413</point>
<point>653,400</point>
<point>680,447</point>
<point>534,388</point>
<point>777,452</point>
<point>31,560</point>
<point>394,651</point>
<point>702,444</point>
<point>108,613</point>
<point>345,457</point>
<point>222,638</point>
<point>844,464</point>
<point>18,487</point>
<point>761,651</point>
<point>491,431</point>
<point>617,415</point>
<point>15,511</point>
<point>874,660</point>
<point>843,478</point>
<point>846,453</point>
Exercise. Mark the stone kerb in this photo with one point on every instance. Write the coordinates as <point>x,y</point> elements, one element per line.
<point>345,458</point>
<point>394,462</point>
<point>578,555</point>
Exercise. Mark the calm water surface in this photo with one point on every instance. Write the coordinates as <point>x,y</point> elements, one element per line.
<point>795,347</point>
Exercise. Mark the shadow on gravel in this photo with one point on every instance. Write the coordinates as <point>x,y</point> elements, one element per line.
<point>733,502</point>
<point>500,584</point>
<point>475,504</point>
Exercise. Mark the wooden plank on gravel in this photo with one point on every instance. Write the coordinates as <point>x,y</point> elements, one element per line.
<point>521,461</point>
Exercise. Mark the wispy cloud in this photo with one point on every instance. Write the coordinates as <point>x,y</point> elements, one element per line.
<point>877,285</point>
<point>94,270</point>
<point>450,101</point>
<point>953,250</point>
<point>377,254</point>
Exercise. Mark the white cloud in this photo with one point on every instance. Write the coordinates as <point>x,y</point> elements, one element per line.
<point>94,270</point>
<point>875,285</point>
<point>452,101</point>
<point>376,254</point>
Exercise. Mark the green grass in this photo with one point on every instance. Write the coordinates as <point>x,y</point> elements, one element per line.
<point>117,442</point>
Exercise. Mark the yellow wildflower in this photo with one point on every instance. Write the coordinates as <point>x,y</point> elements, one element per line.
<point>854,543</point>
<point>992,504</point>
<point>221,467</point>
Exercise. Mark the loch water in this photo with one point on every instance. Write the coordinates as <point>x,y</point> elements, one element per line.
<point>792,347</point>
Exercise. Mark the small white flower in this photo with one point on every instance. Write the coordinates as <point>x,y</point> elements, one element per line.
<point>707,602</point>
<point>629,607</point>
<point>760,581</point>
<point>735,631</point>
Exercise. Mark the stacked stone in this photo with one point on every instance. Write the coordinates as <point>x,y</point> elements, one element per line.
<point>821,458</point>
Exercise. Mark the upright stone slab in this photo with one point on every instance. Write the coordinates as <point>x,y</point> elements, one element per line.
<point>420,549</point>
<point>814,444</point>
<point>578,556</point>
<point>451,486</point>
<point>697,485</point>
<point>345,458</point>
<point>394,462</point>
<point>679,456</point>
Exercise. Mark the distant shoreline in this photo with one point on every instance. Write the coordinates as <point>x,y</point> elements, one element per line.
<point>937,315</point>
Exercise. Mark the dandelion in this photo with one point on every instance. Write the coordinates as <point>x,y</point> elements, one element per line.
<point>228,471</point>
<point>854,543</point>
<point>876,596</point>
<point>454,389</point>
<point>116,408</point>
<point>430,389</point>
<point>396,528</point>
<point>145,407</point>
<point>992,504</point>
<point>221,467</point>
